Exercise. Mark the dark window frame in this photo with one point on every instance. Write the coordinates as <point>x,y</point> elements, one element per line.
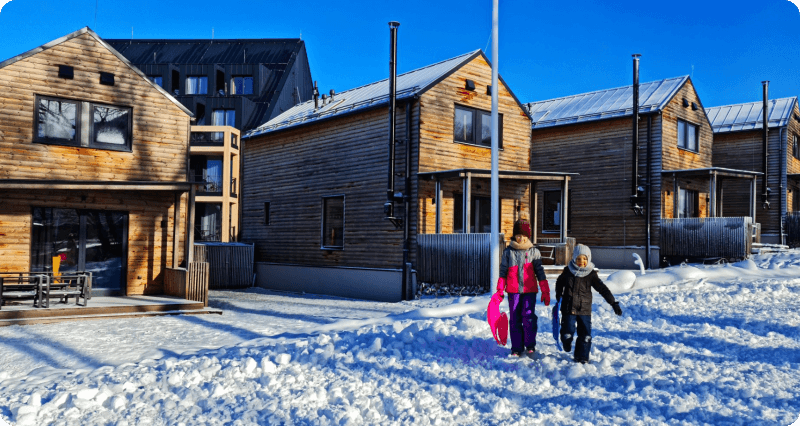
<point>796,147</point>
<point>92,143</point>
<point>76,140</point>
<point>475,211</point>
<point>153,78</point>
<point>199,76</point>
<point>693,203</point>
<point>686,135</point>
<point>267,205</point>
<point>476,126</point>
<point>546,228</point>
<point>243,76</point>
<point>323,223</point>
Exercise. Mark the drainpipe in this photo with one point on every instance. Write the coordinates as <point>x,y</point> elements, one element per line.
<point>388,207</point>
<point>649,186</point>
<point>406,287</point>
<point>636,190</point>
<point>781,177</point>
<point>764,145</point>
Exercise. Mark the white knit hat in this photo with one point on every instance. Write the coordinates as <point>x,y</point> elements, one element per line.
<point>581,249</point>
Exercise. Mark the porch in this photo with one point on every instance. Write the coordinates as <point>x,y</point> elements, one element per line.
<point>101,307</point>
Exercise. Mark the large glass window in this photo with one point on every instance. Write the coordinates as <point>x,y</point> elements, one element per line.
<point>551,219</point>
<point>687,203</point>
<point>208,169</point>
<point>687,135</point>
<point>474,126</point>
<point>196,85</point>
<point>481,214</point>
<point>333,222</point>
<point>242,85</point>
<point>208,226</point>
<point>111,126</point>
<point>222,117</point>
<point>157,79</point>
<point>57,121</point>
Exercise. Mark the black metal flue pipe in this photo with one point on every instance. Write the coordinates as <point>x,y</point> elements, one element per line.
<point>764,152</point>
<point>389,206</point>
<point>635,151</point>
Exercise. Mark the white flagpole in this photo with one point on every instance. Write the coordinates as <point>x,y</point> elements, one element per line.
<point>494,239</point>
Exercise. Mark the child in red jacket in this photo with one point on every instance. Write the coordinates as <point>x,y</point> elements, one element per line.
<point>520,269</point>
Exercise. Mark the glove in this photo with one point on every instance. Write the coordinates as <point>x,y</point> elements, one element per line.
<point>544,287</point>
<point>617,309</point>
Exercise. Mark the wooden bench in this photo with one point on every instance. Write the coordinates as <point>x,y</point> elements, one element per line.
<point>65,286</point>
<point>22,286</point>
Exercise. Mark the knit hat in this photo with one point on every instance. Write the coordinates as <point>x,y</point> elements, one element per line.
<point>576,270</point>
<point>522,227</point>
<point>581,249</point>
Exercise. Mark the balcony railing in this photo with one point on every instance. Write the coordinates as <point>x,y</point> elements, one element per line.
<point>207,139</point>
<point>213,183</point>
<point>233,187</point>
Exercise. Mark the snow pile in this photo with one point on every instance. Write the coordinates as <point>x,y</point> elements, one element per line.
<point>715,345</point>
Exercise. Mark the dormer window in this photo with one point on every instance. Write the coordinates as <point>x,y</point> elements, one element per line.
<point>242,85</point>
<point>196,85</point>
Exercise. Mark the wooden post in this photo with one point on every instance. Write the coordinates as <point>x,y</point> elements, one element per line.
<point>719,198</point>
<point>712,194</point>
<point>534,210</point>
<point>564,208</point>
<point>467,202</point>
<point>176,238</point>
<point>438,206</point>
<point>753,186</point>
<point>190,227</point>
<point>675,189</point>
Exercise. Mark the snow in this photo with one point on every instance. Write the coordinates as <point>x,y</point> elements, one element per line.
<point>696,345</point>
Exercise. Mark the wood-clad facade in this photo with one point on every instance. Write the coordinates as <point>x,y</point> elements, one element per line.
<point>93,163</point>
<point>744,149</point>
<point>291,172</point>
<point>600,150</point>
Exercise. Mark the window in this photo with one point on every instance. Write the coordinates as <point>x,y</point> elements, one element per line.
<point>687,203</point>
<point>207,169</point>
<point>266,213</point>
<point>58,122</point>
<point>481,212</point>
<point>208,226</point>
<point>796,147</point>
<point>551,219</point>
<point>242,85</point>
<point>196,85</point>
<point>200,115</point>
<point>111,127</point>
<point>222,117</point>
<point>687,135</point>
<point>333,222</point>
<point>156,79</point>
<point>474,126</point>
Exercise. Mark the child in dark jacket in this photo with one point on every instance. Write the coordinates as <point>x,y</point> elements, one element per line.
<point>574,292</point>
<point>520,268</point>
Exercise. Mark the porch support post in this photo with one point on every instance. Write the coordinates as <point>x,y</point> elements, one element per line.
<point>438,206</point>
<point>675,189</point>
<point>753,186</point>
<point>467,202</point>
<point>190,228</point>
<point>719,198</point>
<point>712,194</point>
<point>534,210</point>
<point>176,236</point>
<point>564,208</point>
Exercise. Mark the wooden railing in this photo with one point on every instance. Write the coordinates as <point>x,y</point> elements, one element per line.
<point>191,284</point>
<point>727,238</point>
<point>455,260</point>
<point>230,264</point>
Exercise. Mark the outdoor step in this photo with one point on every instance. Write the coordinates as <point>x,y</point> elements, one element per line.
<point>90,316</point>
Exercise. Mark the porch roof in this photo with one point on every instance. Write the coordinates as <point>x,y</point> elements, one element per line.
<point>793,175</point>
<point>96,185</point>
<point>502,174</point>
<point>719,171</point>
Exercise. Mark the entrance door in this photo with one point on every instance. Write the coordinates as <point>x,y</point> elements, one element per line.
<point>87,240</point>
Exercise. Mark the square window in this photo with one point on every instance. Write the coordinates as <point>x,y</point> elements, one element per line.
<point>111,127</point>
<point>551,219</point>
<point>58,121</point>
<point>480,212</point>
<point>196,85</point>
<point>687,203</point>
<point>333,222</point>
<point>266,212</point>
<point>156,79</point>
<point>242,85</point>
<point>687,135</point>
<point>474,126</point>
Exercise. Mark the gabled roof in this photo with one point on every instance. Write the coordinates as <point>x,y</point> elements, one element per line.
<point>87,30</point>
<point>274,51</point>
<point>409,85</point>
<point>749,116</point>
<point>603,104</point>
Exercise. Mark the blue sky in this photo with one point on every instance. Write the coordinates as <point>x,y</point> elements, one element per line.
<point>547,49</point>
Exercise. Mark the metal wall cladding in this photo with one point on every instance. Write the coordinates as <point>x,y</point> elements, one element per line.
<point>748,116</point>
<point>455,260</point>
<point>599,105</point>
<point>709,238</point>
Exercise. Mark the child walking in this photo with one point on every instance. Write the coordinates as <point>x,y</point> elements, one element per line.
<point>520,268</point>
<point>574,293</point>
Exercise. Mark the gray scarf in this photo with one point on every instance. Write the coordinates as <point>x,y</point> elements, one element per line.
<point>579,272</point>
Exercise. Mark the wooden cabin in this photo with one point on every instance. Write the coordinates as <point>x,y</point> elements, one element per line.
<point>738,143</point>
<point>93,167</point>
<point>592,134</point>
<point>316,178</point>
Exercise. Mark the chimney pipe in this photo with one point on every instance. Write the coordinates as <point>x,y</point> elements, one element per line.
<point>388,207</point>
<point>636,191</point>
<point>316,95</point>
<point>765,153</point>
<point>332,92</point>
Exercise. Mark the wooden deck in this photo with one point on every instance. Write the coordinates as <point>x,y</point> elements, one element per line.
<point>100,307</point>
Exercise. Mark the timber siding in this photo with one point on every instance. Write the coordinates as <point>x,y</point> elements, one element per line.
<point>159,154</point>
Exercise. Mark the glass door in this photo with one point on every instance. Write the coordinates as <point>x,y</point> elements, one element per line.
<point>85,240</point>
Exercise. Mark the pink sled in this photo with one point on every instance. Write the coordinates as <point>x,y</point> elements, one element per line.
<point>498,321</point>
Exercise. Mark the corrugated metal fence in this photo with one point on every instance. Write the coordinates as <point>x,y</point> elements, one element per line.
<point>707,238</point>
<point>230,264</point>
<point>792,229</point>
<point>455,261</point>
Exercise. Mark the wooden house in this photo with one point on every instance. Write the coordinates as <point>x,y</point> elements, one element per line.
<point>93,167</point>
<point>592,134</point>
<point>738,143</point>
<point>316,178</point>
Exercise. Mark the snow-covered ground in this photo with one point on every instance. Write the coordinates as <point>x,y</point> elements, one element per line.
<point>701,345</point>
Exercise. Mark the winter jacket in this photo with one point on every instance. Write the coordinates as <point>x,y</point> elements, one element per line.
<point>519,270</point>
<point>576,293</point>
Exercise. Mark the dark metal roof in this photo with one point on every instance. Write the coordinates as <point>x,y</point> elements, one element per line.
<point>750,116</point>
<point>206,51</point>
